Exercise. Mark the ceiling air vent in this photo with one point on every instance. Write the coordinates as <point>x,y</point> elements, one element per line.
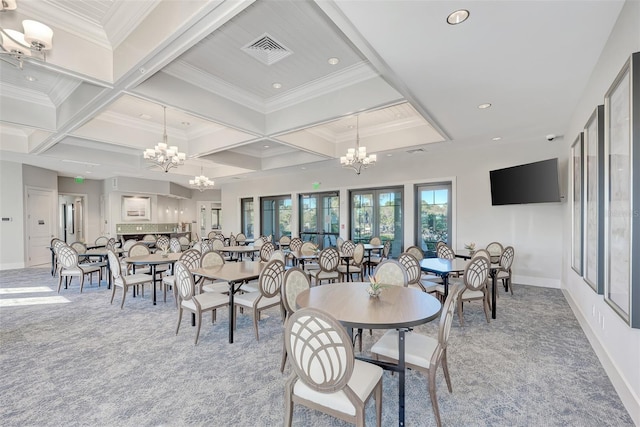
<point>416,150</point>
<point>267,50</point>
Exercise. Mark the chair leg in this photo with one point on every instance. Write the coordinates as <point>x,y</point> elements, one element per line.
<point>378,397</point>
<point>124,295</point>
<point>113,291</point>
<point>485,303</point>
<point>460,315</point>
<point>179,319</point>
<point>81,282</point>
<point>288,401</point>
<point>198,326</point>
<point>59,282</point>
<point>434,398</point>
<point>256,317</point>
<point>284,356</point>
<point>445,369</point>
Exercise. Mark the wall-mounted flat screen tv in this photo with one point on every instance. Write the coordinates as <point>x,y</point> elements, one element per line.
<point>529,183</point>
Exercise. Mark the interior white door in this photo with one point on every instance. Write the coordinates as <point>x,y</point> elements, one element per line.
<point>40,225</point>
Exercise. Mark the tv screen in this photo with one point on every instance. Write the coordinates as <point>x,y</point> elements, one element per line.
<point>530,183</point>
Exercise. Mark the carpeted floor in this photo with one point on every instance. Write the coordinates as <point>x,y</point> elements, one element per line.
<point>86,362</point>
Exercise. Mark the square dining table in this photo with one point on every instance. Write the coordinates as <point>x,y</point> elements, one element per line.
<point>241,250</point>
<point>153,261</point>
<point>235,274</point>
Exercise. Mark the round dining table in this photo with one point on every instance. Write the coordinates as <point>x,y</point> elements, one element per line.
<point>396,307</point>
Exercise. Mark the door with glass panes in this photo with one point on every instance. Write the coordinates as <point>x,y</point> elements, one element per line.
<point>276,216</point>
<point>320,218</point>
<point>378,212</point>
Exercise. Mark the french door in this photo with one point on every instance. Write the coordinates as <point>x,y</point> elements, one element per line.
<point>276,216</point>
<point>320,218</point>
<point>378,212</point>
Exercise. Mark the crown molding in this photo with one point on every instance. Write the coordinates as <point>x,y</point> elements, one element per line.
<point>26,95</point>
<point>62,89</point>
<point>336,81</point>
<point>123,17</point>
<point>66,19</point>
<point>195,76</point>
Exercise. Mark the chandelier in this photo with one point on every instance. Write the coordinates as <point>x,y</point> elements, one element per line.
<point>162,155</point>
<point>36,39</point>
<point>201,182</point>
<point>357,158</point>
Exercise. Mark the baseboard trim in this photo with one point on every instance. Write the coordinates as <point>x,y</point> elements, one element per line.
<point>540,282</point>
<point>630,401</point>
<point>12,266</point>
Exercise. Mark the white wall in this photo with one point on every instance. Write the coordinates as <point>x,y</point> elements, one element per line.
<point>617,345</point>
<point>11,206</point>
<point>534,230</point>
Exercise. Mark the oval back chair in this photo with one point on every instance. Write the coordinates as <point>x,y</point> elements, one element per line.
<point>391,272</point>
<point>294,282</point>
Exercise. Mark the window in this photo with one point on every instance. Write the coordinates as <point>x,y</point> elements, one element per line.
<point>276,216</point>
<point>246,207</point>
<point>433,216</point>
<point>320,218</point>
<point>378,212</point>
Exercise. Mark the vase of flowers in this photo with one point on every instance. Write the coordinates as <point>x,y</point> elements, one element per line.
<point>375,287</point>
<point>471,247</point>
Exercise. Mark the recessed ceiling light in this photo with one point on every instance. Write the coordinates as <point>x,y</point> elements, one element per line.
<point>484,106</point>
<point>496,138</point>
<point>277,85</point>
<point>389,155</point>
<point>458,17</point>
<point>303,168</point>
<point>186,123</point>
<point>30,78</point>
<point>333,61</point>
<point>145,116</point>
<point>265,146</point>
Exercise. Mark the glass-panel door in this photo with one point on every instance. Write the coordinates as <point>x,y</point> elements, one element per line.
<point>320,218</point>
<point>276,216</point>
<point>246,206</point>
<point>209,217</point>
<point>433,216</point>
<point>378,212</point>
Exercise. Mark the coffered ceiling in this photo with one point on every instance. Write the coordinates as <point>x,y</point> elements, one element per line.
<point>238,108</point>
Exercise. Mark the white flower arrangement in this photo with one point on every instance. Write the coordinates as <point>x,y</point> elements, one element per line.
<point>471,246</point>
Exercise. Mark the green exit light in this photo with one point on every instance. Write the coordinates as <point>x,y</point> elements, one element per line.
<point>316,185</point>
<point>79,179</point>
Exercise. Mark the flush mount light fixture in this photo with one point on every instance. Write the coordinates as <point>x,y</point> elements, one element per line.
<point>276,85</point>
<point>36,39</point>
<point>484,106</point>
<point>333,61</point>
<point>163,155</point>
<point>357,158</point>
<point>458,17</point>
<point>265,146</point>
<point>30,79</point>
<point>496,138</point>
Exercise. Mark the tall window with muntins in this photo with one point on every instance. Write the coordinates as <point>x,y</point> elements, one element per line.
<point>246,207</point>
<point>378,212</point>
<point>433,216</point>
<point>320,218</point>
<point>276,216</point>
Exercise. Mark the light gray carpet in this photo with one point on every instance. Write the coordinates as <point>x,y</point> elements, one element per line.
<point>89,363</point>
